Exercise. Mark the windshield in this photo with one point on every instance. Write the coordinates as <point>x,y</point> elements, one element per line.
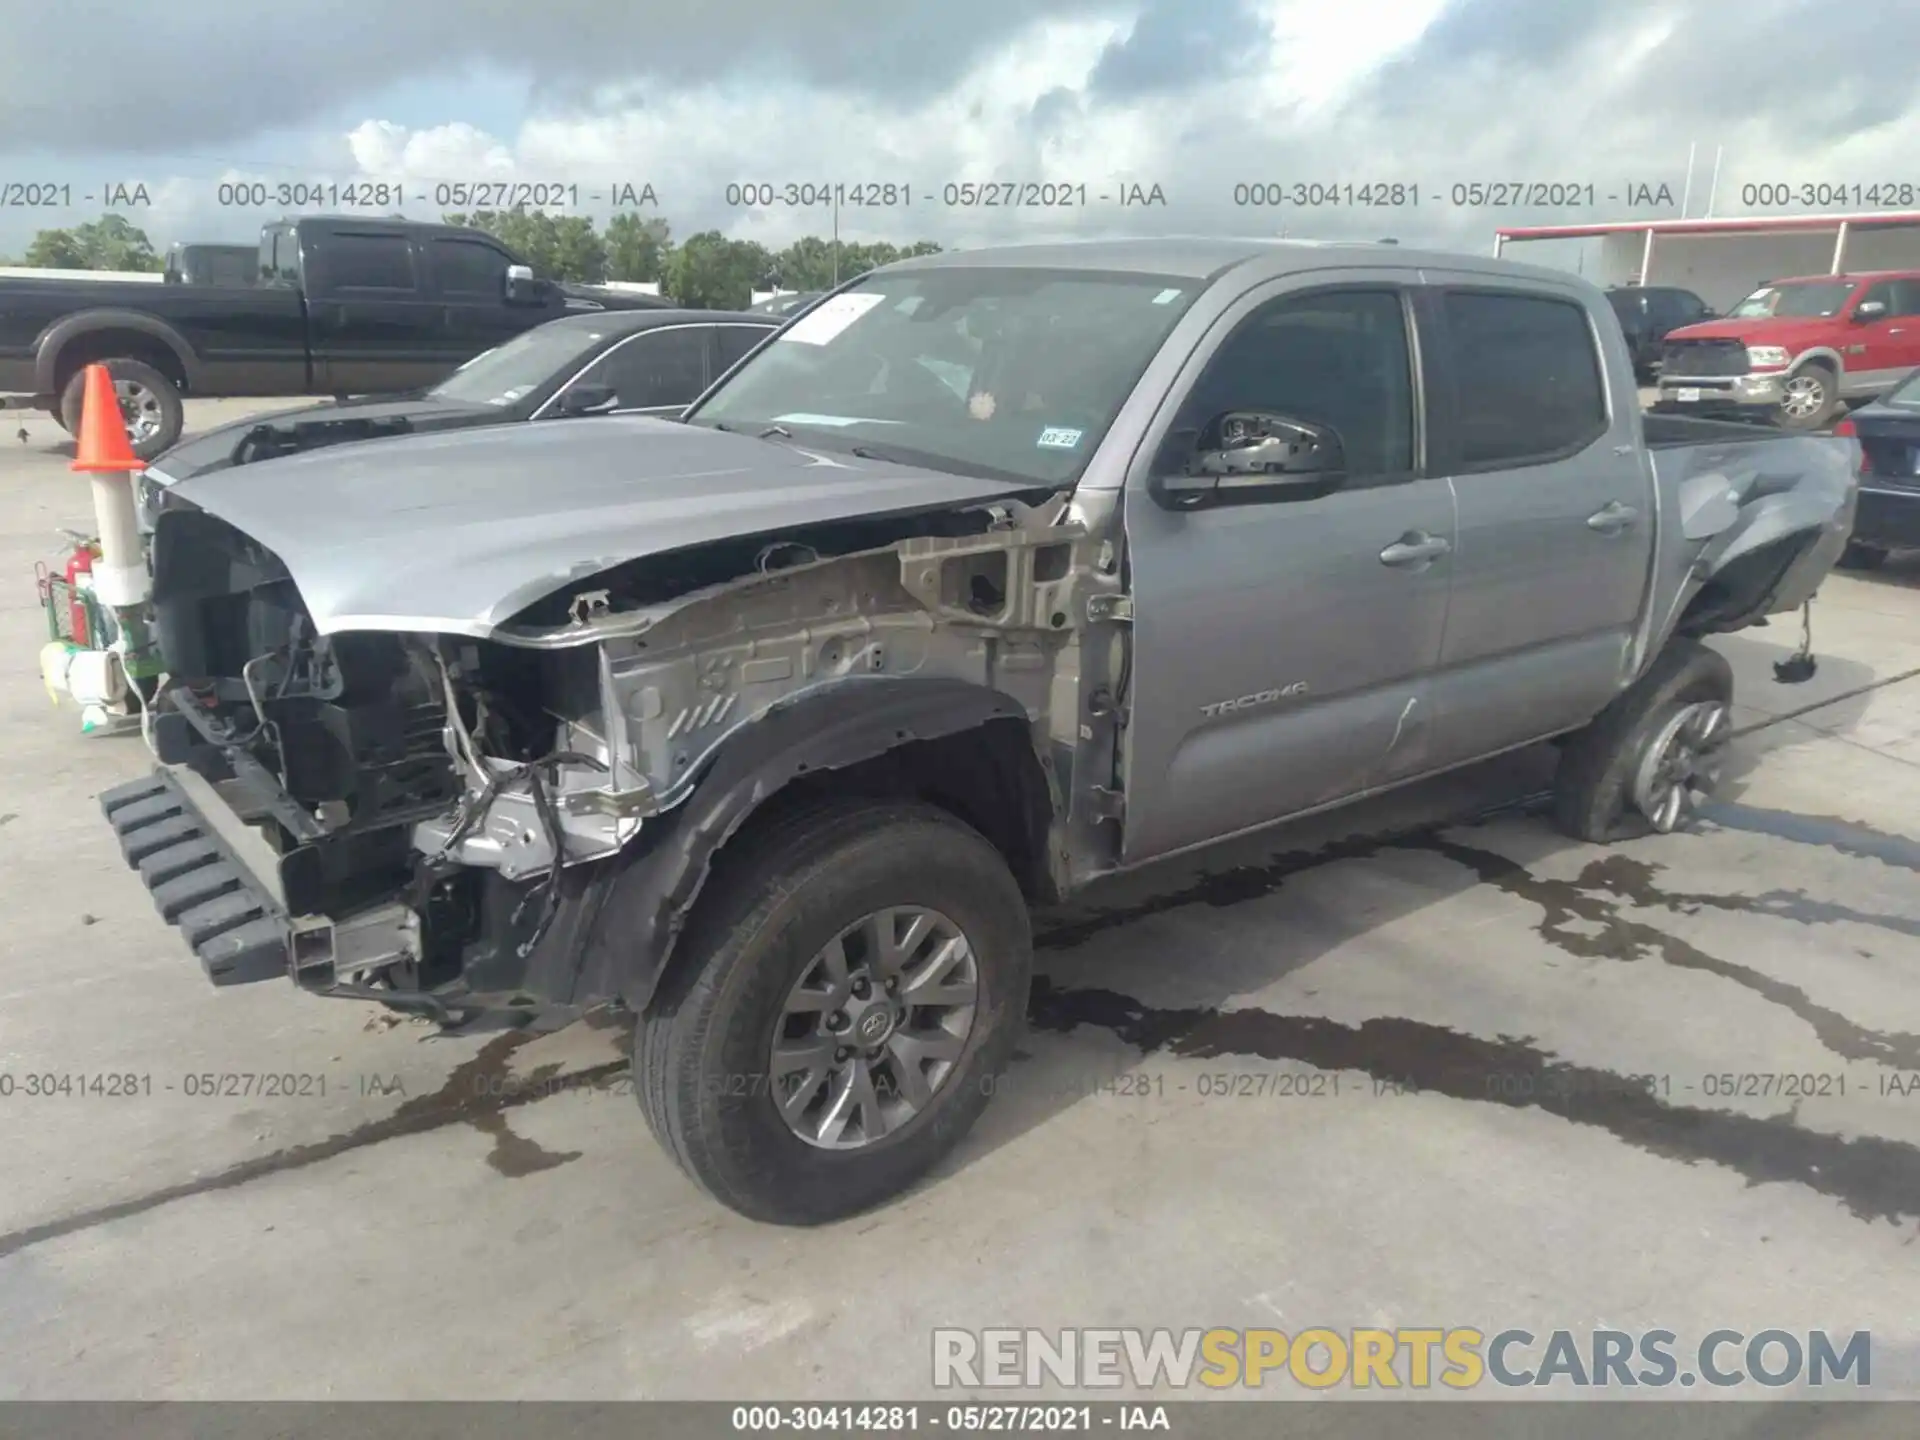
<point>1907,393</point>
<point>513,371</point>
<point>995,370</point>
<point>1801,302</point>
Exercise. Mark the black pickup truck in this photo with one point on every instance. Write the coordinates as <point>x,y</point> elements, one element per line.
<point>341,307</point>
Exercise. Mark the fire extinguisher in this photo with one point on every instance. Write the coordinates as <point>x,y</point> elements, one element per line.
<point>79,576</point>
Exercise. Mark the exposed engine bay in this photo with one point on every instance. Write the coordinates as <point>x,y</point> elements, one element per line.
<point>441,810</point>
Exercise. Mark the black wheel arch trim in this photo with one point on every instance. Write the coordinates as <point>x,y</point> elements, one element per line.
<point>614,941</point>
<point>69,328</point>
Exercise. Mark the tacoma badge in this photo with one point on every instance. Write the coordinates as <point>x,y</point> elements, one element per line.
<point>1247,702</point>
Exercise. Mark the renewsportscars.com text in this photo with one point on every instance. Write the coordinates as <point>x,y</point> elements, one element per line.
<point>1459,1358</point>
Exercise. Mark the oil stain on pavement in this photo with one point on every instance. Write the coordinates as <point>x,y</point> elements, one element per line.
<point>1873,1178</point>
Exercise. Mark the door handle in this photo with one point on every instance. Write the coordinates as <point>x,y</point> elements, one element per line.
<point>1416,547</point>
<point>1612,518</point>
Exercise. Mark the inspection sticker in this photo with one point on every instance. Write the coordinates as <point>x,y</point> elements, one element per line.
<point>830,317</point>
<point>1167,297</point>
<point>1056,438</point>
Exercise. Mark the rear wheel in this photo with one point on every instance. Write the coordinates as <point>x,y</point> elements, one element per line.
<point>1646,762</point>
<point>1807,399</point>
<point>849,990</point>
<point>150,405</point>
<point>1862,557</point>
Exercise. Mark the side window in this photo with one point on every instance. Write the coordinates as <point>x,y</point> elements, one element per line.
<point>736,341</point>
<point>369,262</point>
<point>657,367</point>
<point>1527,375</point>
<point>1337,358</point>
<point>469,267</point>
<point>1906,298</point>
<point>1882,293</point>
<point>230,269</point>
<point>280,256</point>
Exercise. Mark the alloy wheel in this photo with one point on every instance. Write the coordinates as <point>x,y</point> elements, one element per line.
<point>874,1027</point>
<point>1681,765</point>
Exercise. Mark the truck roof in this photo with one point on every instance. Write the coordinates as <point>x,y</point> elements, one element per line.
<point>377,222</point>
<point>1851,277</point>
<point>1205,258</point>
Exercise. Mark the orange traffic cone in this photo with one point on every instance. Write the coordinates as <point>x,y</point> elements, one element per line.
<point>103,444</point>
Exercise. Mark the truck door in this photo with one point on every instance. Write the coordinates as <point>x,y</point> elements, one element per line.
<point>1555,506</point>
<point>374,326</point>
<point>1283,647</point>
<point>1882,349</point>
<point>470,279</point>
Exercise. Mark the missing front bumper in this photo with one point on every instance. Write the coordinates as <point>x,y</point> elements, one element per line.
<point>226,901</point>
<point>230,919</point>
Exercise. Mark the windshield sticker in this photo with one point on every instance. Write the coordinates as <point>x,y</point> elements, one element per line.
<point>829,318</point>
<point>1166,297</point>
<point>1055,437</point>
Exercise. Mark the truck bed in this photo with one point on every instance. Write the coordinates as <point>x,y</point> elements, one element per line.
<point>1665,432</point>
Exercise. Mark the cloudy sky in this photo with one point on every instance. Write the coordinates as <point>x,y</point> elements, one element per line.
<point>1194,96</point>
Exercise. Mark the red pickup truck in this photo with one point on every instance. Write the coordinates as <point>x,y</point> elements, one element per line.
<point>1797,350</point>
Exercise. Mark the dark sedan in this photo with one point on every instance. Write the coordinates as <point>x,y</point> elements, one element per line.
<point>653,362</point>
<point>1889,515</point>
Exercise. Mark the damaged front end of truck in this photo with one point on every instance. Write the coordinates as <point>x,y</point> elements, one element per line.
<point>471,819</point>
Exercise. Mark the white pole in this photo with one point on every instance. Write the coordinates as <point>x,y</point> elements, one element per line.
<point>1686,195</point>
<point>1646,259</point>
<point>120,577</point>
<point>1714,188</point>
<point>1840,250</point>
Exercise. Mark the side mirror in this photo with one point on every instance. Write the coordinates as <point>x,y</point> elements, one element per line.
<point>586,399</point>
<point>1248,456</point>
<point>1868,310</point>
<point>522,288</point>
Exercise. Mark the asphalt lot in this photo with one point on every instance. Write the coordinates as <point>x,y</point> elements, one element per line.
<point>1474,985</point>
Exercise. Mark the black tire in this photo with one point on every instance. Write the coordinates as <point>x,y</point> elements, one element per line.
<point>701,1051</point>
<point>172,412</point>
<point>1861,557</point>
<point>1821,382</point>
<point>1591,799</point>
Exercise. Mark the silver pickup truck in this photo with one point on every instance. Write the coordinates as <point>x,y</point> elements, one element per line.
<point>992,574</point>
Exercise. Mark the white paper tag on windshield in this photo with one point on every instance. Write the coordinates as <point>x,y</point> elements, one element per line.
<point>830,317</point>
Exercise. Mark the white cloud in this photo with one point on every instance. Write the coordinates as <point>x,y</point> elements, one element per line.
<point>1434,91</point>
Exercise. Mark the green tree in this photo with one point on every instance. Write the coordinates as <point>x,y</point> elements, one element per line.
<point>806,264</point>
<point>638,249</point>
<point>809,263</point>
<point>110,243</point>
<point>711,272</point>
<point>558,247</point>
<point>57,250</point>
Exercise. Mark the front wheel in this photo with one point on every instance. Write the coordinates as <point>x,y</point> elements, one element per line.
<point>1807,399</point>
<point>1646,762</point>
<point>849,991</point>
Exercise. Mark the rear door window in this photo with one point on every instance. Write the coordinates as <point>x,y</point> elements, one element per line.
<point>370,262</point>
<point>1527,377</point>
